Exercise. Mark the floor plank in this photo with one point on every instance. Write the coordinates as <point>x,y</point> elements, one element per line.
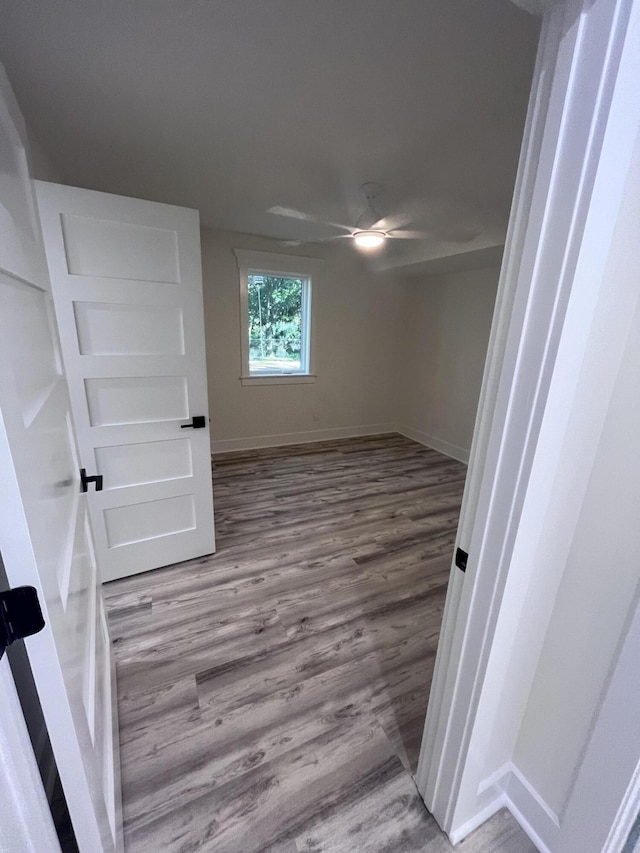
<point>272,696</point>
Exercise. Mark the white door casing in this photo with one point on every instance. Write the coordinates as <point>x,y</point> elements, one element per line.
<point>45,534</point>
<point>25,817</point>
<point>127,288</point>
<point>583,116</point>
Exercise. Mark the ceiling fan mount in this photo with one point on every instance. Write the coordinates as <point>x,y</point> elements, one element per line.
<point>368,218</point>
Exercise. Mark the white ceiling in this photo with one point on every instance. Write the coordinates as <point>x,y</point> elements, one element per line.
<point>237,106</point>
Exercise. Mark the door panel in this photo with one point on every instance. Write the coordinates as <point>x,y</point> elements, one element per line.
<point>127,287</point>
<point>121,329</point>
<point>140,464</point>
<point>115,249</point>
<point>136,400</point>
<point>45,534</point>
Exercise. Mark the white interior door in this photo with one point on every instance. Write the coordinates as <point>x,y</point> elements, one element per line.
<point>127,288</point>
<point>45,533</point>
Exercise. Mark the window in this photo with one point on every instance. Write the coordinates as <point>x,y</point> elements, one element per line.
<point>276,317</point>
<point>278,333</point>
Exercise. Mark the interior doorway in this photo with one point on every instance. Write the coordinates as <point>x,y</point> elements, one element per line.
<point>563,307</point>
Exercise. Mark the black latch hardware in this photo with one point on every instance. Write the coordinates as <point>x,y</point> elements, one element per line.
<point>461,559</point>
<point>20,615</point>
<point>84,481</point>
<point>197,422</point>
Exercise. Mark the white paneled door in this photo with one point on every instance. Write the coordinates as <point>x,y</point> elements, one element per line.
<point>127,288</point>
<point>45,533</point>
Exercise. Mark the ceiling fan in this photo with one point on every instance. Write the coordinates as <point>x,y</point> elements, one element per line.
<point>372,230</point>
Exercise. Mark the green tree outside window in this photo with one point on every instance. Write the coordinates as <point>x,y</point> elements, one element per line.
<point>275,321</point>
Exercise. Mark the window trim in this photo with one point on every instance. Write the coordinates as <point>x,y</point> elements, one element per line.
<point>270,263</point>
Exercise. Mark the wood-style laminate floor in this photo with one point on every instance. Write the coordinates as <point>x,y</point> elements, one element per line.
<point>272,696</point>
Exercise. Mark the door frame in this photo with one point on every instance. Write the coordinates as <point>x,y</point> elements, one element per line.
<point>578,141</point>
<point>17,760</point>
<point>25,815</point>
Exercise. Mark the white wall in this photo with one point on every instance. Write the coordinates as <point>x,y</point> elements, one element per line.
<point>601,577</point>
<point>598,589</point>
<point>390,354</point>
<point>358,323</point>
<point>566,609</point>
<point>448,319</point>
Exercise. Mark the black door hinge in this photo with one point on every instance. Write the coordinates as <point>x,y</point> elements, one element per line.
<point>20,615</point>
<point>461,559</point>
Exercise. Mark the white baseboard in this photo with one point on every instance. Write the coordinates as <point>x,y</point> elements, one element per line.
<point>435,443</point>
<point>459,834</point>
<point>228,445</point>
<point>255,442</point>
<point>497,780</point>
<point>532,812</point>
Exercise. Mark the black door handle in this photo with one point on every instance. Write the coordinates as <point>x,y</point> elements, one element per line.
<point>197,422</point>
<point>84,481</point>
<point>20,615</point>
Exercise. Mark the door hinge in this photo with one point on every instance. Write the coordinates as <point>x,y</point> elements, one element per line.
<point>20,615</point>
<point>461,559</point>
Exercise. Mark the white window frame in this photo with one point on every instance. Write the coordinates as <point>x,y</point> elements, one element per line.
<point>290,266</point>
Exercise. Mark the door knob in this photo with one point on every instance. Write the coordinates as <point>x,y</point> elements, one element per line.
<point>84,481</point>
<point>197,422</point>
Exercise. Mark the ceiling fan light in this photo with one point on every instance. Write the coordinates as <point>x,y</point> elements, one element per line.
<point>369,239</point>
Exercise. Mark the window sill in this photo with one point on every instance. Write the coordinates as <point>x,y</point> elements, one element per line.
<point>280,379</point>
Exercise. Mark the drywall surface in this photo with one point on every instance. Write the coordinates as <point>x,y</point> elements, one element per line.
<point>448,320</point>
<point>389,354</point>
<point>358,326</point>
<point>564,612</point>
<point>600,580</point>
<point>598,591</point>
